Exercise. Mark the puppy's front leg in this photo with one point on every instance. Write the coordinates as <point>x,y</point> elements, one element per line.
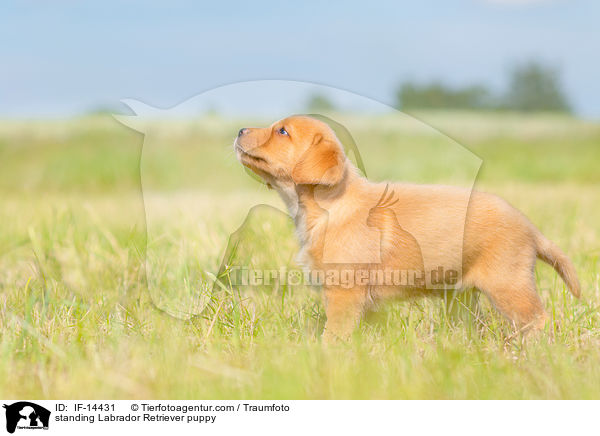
<point>344,308</point>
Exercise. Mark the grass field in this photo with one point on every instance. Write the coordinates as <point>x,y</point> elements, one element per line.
<point>78,319</point>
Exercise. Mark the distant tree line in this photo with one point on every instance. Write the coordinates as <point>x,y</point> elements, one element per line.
<point>532,86</point>
<point>319,103</point>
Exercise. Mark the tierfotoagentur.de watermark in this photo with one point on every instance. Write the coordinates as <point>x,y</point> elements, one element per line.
<point>346,278</point>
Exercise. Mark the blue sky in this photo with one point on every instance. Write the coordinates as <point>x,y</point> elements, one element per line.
<point>65,57</point>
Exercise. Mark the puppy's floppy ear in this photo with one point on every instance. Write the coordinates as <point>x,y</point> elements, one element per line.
<point>322,163</point>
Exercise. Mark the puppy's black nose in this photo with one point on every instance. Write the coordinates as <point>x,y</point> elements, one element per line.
<point>242,132</point>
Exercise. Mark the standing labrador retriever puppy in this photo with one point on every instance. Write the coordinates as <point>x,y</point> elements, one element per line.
<point>394,239</point>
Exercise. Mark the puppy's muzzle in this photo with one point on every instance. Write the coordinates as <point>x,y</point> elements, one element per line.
<point>251,157</point>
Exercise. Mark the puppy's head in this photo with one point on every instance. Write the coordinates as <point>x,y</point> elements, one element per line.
<point>296,150</point>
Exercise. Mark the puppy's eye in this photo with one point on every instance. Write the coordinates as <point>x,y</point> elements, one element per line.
<point>282,131</point>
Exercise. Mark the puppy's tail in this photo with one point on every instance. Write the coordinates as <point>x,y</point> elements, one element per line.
<point>549,252</point>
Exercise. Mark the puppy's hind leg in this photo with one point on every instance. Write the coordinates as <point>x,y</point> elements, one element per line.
<point>517,299</point>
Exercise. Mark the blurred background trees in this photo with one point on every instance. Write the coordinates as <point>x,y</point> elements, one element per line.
<point>532,86</point>
<point>536,87</point>
<point>318,103</point>
<point>437,95</point>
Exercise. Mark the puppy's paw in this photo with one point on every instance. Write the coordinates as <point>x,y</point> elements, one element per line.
<point>331,338</point>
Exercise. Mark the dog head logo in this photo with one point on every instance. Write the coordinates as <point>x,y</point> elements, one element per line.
<point>26,415</point>
<point>181,277</point>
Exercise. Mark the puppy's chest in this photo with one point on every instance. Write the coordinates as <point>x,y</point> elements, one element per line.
<point>336,237</point>
<point>308,232</point>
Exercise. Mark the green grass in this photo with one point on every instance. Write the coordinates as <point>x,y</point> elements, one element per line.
<point>79,320</point>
